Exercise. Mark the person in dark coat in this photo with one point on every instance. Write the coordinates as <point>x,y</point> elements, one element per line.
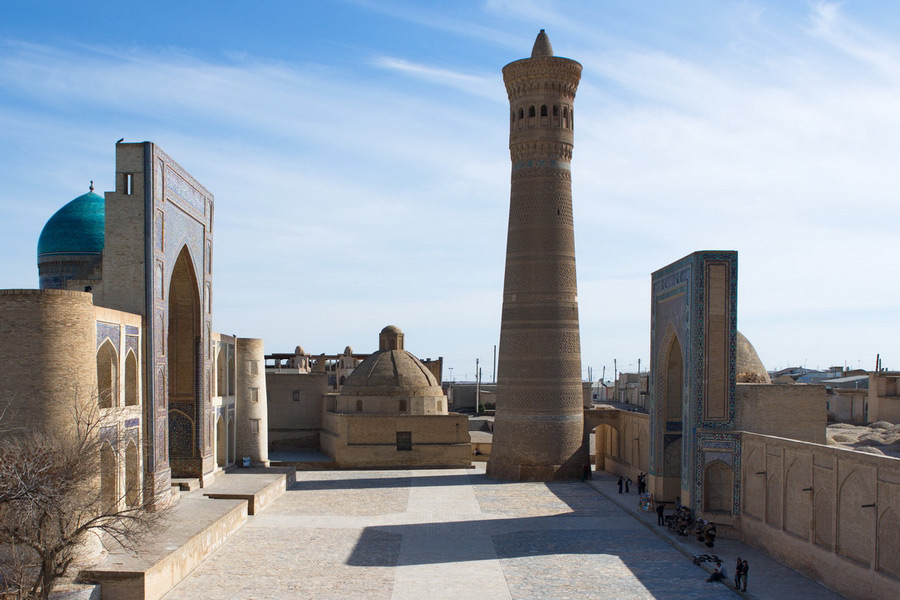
<point>621,481</point>
<point>627,483</point>
<point>660,510</point>
<point>738,569</point>
<point>744,569</point>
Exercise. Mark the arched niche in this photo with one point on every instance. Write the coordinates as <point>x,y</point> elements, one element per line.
<point>221,442</point>
<point>673,384</point>
<point>718,487</point>
<point>184,364</point>
<point>109,481</point>
<point>132,395</point>
<point>107,376</point>
<point>132,475</point>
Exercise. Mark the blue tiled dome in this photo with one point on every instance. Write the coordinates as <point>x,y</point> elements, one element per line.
<point>76,228</point>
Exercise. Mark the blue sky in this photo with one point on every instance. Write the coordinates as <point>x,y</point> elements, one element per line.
<point>358,154</point>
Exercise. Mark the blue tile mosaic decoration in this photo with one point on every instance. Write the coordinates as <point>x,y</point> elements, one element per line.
<point>186,214</point>
<point>719,442</point>
<point>111,332</point>
<point>132,342</point>
<point>545,162</point>
<point>176,184</point>
<point>679,296</point>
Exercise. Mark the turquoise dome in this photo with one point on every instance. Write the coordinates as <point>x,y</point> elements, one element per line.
<point>76,228</point>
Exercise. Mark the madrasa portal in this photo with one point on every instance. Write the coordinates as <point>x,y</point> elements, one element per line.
<point>123,322</point>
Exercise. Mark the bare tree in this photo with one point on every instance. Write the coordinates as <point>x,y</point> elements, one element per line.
<point>55,495</point>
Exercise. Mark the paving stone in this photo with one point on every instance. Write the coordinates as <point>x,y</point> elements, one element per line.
<point>452,534</point>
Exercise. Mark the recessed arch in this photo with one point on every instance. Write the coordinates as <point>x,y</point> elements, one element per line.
<point>109,481</point>
<point>184,365</point>
<point>606,444</point>
<point>231,434</point>
<point>888,542</point>
<point>673,382</point>
<point>718,486</point>
<point>132,394</point>
<point>854,518</point>
<point>107,375</point>
<point>220,373</point>
<point>132,475</point>
<point>221,442</point>
<point>797,512</point>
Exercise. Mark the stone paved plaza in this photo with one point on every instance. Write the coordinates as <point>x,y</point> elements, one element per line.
<point>444,534</point>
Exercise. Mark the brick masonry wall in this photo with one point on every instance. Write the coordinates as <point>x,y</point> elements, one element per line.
<point>47,349</point>
<point>295,423</point>
<point>251,415</point>
<point>830,513</point>
<point>790,411</point>
<point>371,440</point>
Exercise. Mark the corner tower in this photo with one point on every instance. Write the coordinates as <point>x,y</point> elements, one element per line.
<point>538,429</point>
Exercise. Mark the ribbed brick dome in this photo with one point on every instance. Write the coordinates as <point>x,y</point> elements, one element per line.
<point>391,371</point>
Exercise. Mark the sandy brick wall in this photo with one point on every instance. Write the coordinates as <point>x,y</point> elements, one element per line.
<point>47,353</point>
<point>371,440</point>
<point>791,411</point>
<point>830,513</point>
<point>295,423</point>
<point>251,415</point>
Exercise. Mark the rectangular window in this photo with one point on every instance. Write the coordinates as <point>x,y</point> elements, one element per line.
<point>254,367</point>
<point>254,425</point>
<point>404,440</point>
<point>129,183</point>
<point>296,395</point>
<point>254,394</point>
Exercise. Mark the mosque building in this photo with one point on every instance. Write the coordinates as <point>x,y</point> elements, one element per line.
<point>123,323</point>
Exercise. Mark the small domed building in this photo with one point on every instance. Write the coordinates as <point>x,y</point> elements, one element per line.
<point>392,412</point>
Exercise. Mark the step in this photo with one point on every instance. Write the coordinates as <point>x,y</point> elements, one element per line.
<point>186,484</point>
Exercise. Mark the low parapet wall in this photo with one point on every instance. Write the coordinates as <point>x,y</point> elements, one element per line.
<point>832,514</point>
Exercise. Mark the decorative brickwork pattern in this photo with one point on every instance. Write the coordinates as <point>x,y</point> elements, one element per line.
<point>538,429</point>
<point>694,303</point>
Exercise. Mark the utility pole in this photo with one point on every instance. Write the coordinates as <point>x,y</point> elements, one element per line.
<point>477,387</point>
<point>494,374</point>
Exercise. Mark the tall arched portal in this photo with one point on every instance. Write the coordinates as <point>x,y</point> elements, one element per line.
<point>184,358</point>
<point>693,341</point>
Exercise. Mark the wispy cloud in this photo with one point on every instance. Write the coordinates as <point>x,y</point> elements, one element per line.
<point>488,87</point>
<point>357,193</point>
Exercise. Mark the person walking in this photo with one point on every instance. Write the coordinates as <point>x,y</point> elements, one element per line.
<point>738,569</point>
<point>660,510</point>
<point>627,483</point>
<point>744,569</point>
<point>621,481</point>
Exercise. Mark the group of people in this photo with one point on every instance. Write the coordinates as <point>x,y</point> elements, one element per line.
<point>682,522</point>
<point>741,568</point>
<point>626,483</point>
<point>706,532</point>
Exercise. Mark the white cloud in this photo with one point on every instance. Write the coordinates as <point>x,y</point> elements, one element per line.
<point>350,196</point>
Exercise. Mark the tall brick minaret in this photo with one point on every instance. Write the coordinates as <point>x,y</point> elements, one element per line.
<point>538,429</point>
